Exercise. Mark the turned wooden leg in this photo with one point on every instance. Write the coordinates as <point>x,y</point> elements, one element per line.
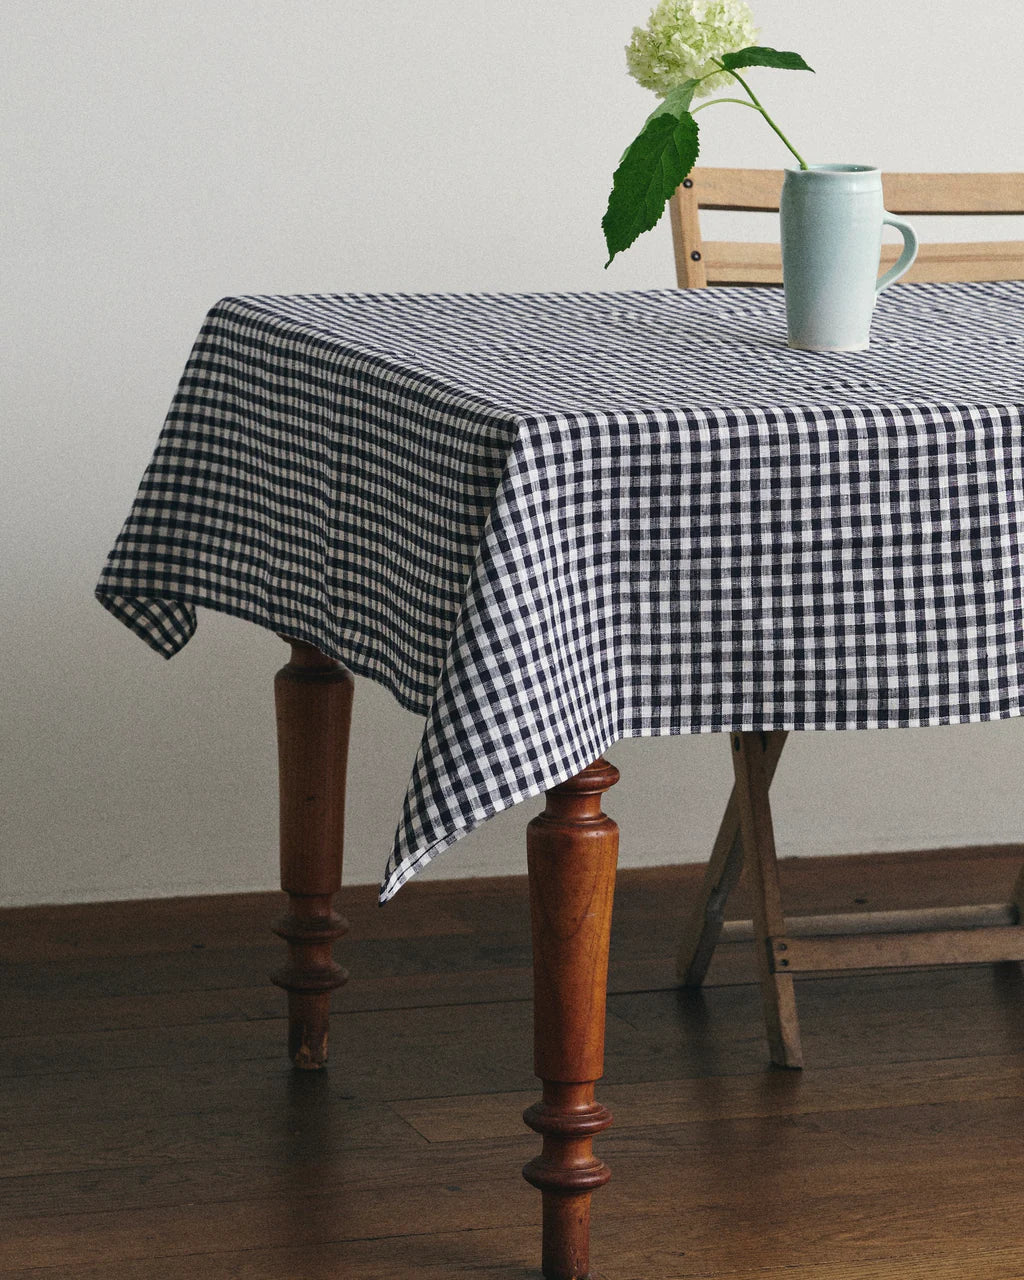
<point>572,849</point>
<point>313,695</point>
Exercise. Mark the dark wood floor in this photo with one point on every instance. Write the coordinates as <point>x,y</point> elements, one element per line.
<point>153,1129</point>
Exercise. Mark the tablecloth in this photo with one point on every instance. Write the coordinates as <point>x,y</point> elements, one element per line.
<point>547,521</point>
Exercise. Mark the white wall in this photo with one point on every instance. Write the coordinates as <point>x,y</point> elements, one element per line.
<point>160,156</point>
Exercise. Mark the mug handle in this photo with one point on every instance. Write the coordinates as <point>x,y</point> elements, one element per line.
<point>906,259</point>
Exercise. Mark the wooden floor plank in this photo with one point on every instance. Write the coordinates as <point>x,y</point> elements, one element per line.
<point>217,922</point>
<point>825,1184</point>
<point>708,1157</point>
<point>152,1129</point>
<point>439,908</point>
<point>651,1035</point>
<point>708,1240</point>
<point>773,1093</point>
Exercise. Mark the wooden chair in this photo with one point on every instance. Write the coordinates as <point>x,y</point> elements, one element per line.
<point>702,262</point>
<point>866,940</point>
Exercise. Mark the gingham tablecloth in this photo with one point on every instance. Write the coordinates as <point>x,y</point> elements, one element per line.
<point>548,521</point>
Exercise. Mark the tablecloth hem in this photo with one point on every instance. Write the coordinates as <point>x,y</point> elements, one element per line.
<point>232,609</point>
<point>413,864</point>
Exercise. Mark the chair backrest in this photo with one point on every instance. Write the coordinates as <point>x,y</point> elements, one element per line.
<point>702,262</point>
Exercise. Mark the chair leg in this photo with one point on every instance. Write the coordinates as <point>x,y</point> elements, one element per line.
<point>572,850</point>
<point>749,751</point>
<point>313,694</point>
<point>1017,897</point>
<point>704,925</point>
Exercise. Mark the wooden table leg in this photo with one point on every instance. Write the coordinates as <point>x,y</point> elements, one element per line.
<point>572,850</point>
<point>313,695</point>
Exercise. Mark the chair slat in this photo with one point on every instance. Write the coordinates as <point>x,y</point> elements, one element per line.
<point>977,261</point>
<point>750,262</point>
<point>758,190</point>
<point>954,193</point>
<point>742,262</point>
<point>740,190</point>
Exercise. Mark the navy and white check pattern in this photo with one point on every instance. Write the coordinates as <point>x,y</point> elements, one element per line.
<point>549,521</point>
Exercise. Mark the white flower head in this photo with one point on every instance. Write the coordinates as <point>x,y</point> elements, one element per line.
<point>681,38</point>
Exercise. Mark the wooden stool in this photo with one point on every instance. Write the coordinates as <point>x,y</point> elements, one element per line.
<point>875,940</point>
<point>816,944</point>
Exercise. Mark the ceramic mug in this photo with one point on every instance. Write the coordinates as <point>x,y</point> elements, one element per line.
<point>831,221</point>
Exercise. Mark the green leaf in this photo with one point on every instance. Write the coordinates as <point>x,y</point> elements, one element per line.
<point>653,166</point>
<point>758,56</point>
<point>677,101</point>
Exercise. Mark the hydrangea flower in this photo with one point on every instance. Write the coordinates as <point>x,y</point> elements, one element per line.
<point>688,49</point>
<point>681,38</point>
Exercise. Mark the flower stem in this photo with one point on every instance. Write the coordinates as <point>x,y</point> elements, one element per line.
<point>753,98</point>
<point>739,102</point>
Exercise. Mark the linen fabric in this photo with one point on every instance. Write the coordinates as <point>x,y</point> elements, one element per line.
<point>548,521</point>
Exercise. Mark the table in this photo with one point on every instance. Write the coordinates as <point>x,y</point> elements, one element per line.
<point>549,521</point>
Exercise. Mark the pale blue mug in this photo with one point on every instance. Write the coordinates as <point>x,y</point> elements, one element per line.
<point>831,220</point>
